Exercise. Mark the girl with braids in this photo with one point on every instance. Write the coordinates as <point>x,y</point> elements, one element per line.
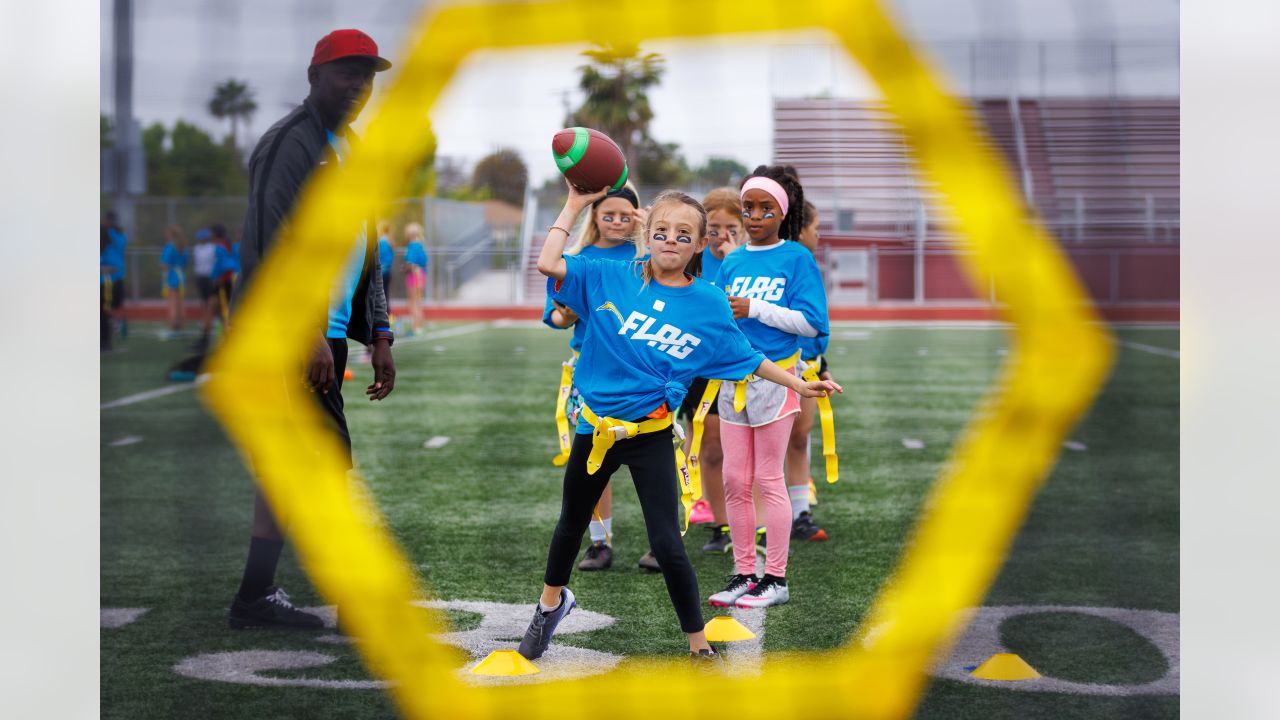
<point>609,234</point>
<point>800,486</point>
<point>777,297</point>
<point>651,329</point>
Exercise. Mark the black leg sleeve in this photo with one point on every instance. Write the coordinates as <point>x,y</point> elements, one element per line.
<point>653,468</point>
<point>579,497</point>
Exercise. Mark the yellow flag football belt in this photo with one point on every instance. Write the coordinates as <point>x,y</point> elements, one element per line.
<point>828,420</point>
<point>608,431</point>
<point>562,418</point>
<point>740,387</point>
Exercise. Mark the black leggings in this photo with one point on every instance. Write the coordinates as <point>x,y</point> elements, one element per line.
<point>651,458</point>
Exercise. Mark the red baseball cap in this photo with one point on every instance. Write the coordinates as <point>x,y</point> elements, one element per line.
<point>348,43</point>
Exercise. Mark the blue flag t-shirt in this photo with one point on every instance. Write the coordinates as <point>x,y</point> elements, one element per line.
<point>625,252</point>
<point>386,254</point>
<point>783,274</point>
<point>645,343</point>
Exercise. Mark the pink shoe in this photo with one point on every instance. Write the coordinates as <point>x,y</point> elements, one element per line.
<point>701,513</point>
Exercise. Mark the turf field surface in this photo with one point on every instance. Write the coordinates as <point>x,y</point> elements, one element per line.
<point>475,513</point>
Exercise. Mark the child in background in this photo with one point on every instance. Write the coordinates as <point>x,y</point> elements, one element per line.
<point>386,256</point>
<point>777,296</point>
<point>608,234</point>
<point>203,256</point>
<point>724,235</point>
<point>173,258</point>
<point>800,485</point>
<point>415,276</point>
<point>652,329</point>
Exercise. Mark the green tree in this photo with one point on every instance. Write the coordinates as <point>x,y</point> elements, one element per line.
<point>187,162</point>
<point>233,100</point>
<point>720,171</point>
<point>661,164</point>
<point>616,83</point>
<point>503,175</point>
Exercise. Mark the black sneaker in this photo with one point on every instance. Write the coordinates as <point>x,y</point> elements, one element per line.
<point>543,626</point>
<point>706,659</point>
<point>599,557</point>
<point>649,562</point>
<point>720,541</point>
<point>272,609</point>
<point>804,528</point>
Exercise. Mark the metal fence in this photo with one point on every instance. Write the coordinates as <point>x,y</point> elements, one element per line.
<point>462,244</point>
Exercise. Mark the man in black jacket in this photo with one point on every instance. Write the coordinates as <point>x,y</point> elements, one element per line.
<point>315,133</point>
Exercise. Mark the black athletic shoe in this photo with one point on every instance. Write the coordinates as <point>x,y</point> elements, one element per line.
<point>706,660</point>
<point>543,626</point>
<point>720,541</point>
<point>272,609</point>
<point>804,528</point>
<point>599,557</point>
<point>649,562</point>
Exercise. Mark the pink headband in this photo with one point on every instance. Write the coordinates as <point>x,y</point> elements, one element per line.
<point>770,186</point>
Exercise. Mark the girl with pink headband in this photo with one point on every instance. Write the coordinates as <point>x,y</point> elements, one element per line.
<point>777,295</point>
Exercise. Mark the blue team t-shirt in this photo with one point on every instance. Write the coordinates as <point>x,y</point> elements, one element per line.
<point>625,252</point>
<point>782,274</point>
<point>174,261</point>
<point>416,254</point>
<point>386,254</point>
<point>113,254</point>
<point>645,343</point>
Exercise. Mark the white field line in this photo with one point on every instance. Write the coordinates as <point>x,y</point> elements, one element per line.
<point>1162,352</point>
<point>170,389</point>
<point>147,395</point>
<point>450,332</point>
<point>438,441</point>
<point>746,657</point>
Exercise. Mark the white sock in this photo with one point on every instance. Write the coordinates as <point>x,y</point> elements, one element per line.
<point>799,499</point>
<point>545,609</point>
<point>600,530</point>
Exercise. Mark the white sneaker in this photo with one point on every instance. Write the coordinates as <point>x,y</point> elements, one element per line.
<point>737,587</point>
<point>771,590</point>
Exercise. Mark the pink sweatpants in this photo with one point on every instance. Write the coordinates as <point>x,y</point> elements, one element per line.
<point>754,456</point>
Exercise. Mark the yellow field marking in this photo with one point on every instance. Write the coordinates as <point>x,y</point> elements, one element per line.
<point>1058,360</point>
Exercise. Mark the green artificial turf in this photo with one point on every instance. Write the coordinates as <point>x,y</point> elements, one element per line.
<point>475,516</point>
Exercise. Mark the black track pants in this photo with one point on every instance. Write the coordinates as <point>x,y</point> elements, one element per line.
<point>651,458</point>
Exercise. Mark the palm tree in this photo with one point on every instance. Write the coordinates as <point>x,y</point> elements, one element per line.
<point>616,84</point>
<point>234,100</point>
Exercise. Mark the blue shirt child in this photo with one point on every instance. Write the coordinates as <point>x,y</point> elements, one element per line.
<point>174,262</point>
<point>645,343</point>
<point>784,274</point>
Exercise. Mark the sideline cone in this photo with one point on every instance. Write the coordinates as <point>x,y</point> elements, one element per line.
<point>1005,666</point>
<point>505,663</point>
<point>725,629</point>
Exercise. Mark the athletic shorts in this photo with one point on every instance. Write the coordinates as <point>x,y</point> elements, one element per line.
<point>205,285</point>
<point>766,402</point>
<point>689,407</point>
<point>415,278</point>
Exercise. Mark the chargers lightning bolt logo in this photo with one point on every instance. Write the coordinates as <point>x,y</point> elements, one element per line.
<point>611,308</point>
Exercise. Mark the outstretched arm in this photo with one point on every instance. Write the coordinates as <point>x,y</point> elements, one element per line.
<point>819,388</point>
<point>551,260</point>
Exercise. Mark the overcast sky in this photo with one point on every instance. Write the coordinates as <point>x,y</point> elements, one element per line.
<point>715,99</point>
